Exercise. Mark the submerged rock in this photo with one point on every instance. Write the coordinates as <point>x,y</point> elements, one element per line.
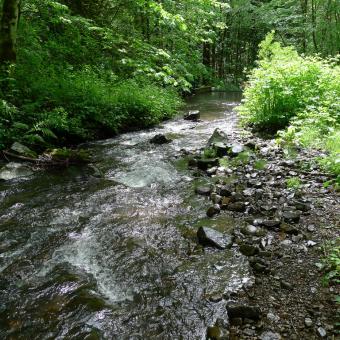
<point>210,237</point>
<point>160,139</point>
<point>14,170</point>
<point>193,115</point>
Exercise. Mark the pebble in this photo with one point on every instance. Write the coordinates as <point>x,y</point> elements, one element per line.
<point>308,322</point>
<point>322,332</point>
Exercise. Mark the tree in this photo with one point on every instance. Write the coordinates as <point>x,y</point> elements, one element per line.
<point>8,30</point>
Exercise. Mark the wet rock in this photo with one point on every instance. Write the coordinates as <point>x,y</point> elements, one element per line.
<point>236,310</point>
<point>260,268</point>
<point>193,115</point>
<point>14,170</point>
<point>214,333</point>
<point>289,229</point>
<point>236,321</point>
<point>210,237</point>
<point>321,332</point>
<point>23,150</point>
<point>204,190</point>
<point>248,249</point>
<point>236,149</point>
<point>303,206</point>
<point>249,230</point>
<point>286,285</point>
<point>206,163</point>
<point>213,210</point>
<point>249,332</point>
<point>212,171</point>
<point>270,336</point>
<point>216,199</point>
<point>270,224</point>
<point>218,137</point>
<point>311,228</point>
<point>225,190</point>
<point>236,206</point>
<point>286,243</point>
<point>308,322</point>
<point>291,216</point>
<point>160,139</point>
<point>221,149</point>
<point>215,298</point>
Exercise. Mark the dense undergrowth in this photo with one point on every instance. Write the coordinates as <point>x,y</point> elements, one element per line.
<point>297,96</point>
<point>70,85</point>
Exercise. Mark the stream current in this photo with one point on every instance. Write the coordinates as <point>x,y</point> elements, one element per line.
<point>83,257</point>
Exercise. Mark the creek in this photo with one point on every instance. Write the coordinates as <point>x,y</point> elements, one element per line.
<point>115,257</point>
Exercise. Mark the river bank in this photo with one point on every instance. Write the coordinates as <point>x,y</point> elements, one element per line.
<point>283,230</point>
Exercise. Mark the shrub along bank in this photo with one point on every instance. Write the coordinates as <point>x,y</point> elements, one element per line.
<point>297,96</point>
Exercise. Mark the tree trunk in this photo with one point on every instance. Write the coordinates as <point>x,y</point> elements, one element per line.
<point>8,30</point>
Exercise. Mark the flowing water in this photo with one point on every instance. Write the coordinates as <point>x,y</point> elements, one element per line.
<point>114,257</point>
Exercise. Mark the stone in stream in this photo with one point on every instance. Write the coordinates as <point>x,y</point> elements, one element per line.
<point>213,210</point>
<point>248,249</point>
<point>160,139</point>
<point>249,230</point>
<point>14,170</point>
<point>193,115</point>
<point>204,190</point>
<point>237,310</point>
<point>217,137</point>
<point>210,237</point>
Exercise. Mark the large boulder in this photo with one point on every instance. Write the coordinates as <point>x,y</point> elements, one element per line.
<point>14,170</point>
<point>218,137</point>
<point>213,238</point>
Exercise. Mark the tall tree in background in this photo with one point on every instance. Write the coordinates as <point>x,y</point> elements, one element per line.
<point>8,30</point>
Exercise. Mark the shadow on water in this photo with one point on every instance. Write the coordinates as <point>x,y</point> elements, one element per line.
<point>116,257</point>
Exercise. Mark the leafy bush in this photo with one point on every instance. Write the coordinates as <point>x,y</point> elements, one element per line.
<point>286,85</point>
<point>298,93</point>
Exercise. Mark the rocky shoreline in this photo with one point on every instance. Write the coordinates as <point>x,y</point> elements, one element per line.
<point>284,216</point>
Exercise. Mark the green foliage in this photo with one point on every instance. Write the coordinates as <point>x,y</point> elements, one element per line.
<point>209,153</point>
<point>289,90</point>
<point>293,183</point>
<point>260,164</point>
<point>332,263</point>
<point>286,85</point>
